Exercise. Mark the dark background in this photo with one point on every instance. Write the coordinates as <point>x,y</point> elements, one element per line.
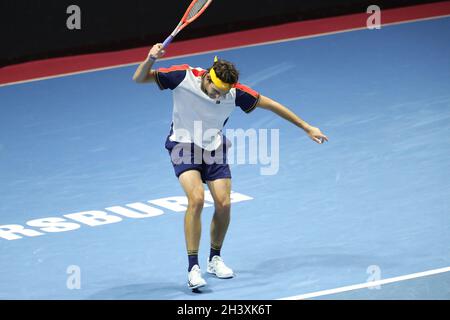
<point>36,29</point>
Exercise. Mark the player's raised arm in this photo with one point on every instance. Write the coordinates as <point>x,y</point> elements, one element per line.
<point>144,72</point>
<point>314,133</point>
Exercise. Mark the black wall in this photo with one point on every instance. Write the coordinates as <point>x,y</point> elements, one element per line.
<point>36,29</point>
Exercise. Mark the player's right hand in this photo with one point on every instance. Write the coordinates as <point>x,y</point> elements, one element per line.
<point>316,135</point>
<point>156,51</point>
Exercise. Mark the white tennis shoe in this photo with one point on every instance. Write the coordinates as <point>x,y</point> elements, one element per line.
<point>195,279</point>
<point>217,267</point>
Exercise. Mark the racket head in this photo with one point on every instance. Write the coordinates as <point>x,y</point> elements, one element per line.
<point>195,10</point>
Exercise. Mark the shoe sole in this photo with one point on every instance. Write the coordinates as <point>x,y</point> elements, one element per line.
<point>223,277</point>
<point>197,286</point>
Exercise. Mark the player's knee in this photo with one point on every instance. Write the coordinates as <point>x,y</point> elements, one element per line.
<point>196,201</point>
<point>223,205</point>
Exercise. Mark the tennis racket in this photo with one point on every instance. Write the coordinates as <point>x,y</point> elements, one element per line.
<point>195,9</point>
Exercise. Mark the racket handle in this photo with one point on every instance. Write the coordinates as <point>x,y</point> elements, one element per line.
<point>165,44</point>
<point>167,41</point>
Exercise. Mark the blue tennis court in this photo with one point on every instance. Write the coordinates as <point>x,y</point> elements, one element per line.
<point>376,197</point>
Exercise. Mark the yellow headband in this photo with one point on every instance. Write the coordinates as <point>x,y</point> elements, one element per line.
<point>217,82</point>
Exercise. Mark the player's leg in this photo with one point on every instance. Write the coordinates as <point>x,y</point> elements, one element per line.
<point>192,184</point>
<point>220,191</point>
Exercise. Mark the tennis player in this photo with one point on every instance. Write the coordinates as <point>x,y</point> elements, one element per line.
<point>207,97</point>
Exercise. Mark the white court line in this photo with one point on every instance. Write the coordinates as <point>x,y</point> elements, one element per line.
<point>224,49</point>
<point>367,284</point>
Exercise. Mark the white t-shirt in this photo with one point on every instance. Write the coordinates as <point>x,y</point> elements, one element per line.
<point>197,118</point>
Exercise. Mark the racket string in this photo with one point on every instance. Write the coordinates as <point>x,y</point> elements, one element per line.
<point>196,8</point>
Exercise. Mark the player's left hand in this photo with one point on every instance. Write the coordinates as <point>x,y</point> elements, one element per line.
<point>316,135</point>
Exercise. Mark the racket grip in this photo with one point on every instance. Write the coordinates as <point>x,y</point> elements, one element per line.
<point>167,41</point>
<point>165,44</point>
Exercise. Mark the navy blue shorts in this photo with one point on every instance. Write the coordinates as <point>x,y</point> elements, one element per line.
<point>212,165</point>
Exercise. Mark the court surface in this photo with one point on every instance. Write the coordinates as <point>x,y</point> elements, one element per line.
<point>371,204</point>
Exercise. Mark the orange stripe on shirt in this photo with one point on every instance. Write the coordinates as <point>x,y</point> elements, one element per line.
<point>246,89</point>
<point>174,68</point>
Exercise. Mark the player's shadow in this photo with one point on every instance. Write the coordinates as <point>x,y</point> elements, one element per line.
<point>150,291</point>
<point>318,261</point>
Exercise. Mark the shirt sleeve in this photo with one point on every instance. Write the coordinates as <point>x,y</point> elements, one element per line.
<point>246,98</point>
<point>170,78</point>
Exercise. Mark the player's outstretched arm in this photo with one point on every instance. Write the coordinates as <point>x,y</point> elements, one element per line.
<point>314,133</point>
<point>144,72</point>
